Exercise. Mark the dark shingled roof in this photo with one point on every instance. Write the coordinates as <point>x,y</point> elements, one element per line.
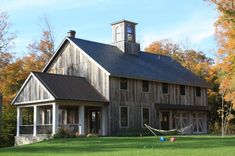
<point>145,66</point>
<point>64,87</point>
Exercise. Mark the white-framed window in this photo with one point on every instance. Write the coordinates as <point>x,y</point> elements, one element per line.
<point>145,116</point>
<point>124,116</point>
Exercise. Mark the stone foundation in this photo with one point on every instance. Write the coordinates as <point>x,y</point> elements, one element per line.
<point>29,139</point>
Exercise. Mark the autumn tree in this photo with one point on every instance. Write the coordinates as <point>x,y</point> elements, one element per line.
<point>43,48</point>
<point>6,56</point>
<point>163,47</point>
<point>6,39</point>
<point>225,32</point>
<point>191,59</point>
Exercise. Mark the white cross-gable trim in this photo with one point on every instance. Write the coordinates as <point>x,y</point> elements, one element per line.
<point>90,58</point>
<point>23,86</point>
<point>83,52</point>
<point>54,55</point>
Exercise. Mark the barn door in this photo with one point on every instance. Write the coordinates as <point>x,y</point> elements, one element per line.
<point>165,120</point>
<point>181,119</point>
<point>198,122</point>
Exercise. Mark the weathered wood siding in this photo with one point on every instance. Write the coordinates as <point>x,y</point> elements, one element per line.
<point>33,91</point>
<point>135,99</point>
<point>72,61</point>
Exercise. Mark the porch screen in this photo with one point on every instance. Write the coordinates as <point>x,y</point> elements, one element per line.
<point>124,117</point>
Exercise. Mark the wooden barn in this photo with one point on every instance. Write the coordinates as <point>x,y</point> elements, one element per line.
<point>109,89</point>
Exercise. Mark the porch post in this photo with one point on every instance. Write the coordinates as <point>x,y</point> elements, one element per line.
<point>18,121</point>
<point>82,120</point>
<point>170,120</point>
<point>54,118</point>
<point>35,112</point>
<point>104,120</point>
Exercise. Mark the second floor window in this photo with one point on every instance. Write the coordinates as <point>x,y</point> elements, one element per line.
<point>198,91</point>
<point>182,89</point>
<point>123,83</point>
<point>145,86</point>
<point>164,88</point>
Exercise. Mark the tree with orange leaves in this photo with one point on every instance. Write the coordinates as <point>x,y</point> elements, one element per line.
<point>225,65</point>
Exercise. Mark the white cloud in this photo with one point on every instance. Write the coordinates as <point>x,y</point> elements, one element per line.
<point>196,30</point>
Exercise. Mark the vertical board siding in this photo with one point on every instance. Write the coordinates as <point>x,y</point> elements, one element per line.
<point>135,99</point>
<point>73,62</point>
<point>33,91</point>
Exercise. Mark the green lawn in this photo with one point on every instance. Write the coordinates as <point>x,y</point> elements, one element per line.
<point>124,146</point>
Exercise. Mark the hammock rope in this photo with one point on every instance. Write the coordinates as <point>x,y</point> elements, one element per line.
<point>181,131</point>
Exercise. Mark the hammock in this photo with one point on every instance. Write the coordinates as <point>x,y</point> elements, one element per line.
<point>172,131</point>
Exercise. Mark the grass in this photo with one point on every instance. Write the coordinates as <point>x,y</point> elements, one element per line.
<point>125,146</point>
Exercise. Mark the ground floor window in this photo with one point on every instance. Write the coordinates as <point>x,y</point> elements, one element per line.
<point>68,115</point>
<point>145,116</point>
<point>124,116</point>
<point>27,115</point>
<point>45,115</point>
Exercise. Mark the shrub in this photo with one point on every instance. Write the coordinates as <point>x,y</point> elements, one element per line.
<point>63,133</point>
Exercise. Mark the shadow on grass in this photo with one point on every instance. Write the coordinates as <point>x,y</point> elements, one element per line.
<point>111,144</point>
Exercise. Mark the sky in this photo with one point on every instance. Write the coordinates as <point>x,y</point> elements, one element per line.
<point>176,20</point>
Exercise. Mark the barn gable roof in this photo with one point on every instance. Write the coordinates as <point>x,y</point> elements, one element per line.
<point>145,66</point>
<point>63,87</point>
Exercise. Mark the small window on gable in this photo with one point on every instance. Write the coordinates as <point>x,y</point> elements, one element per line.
<point>124,117</point>
<point>123,83</point>
<point>198,91</point>
<point>145,86</point>
<point>164,88</point>
<point>145,116</point>
<point>182,89</point>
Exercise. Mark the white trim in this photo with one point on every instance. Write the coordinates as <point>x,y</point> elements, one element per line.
<point>93,61</point>
<point>18,123</point>
<point>142,119</point>
<point>56,51</point>
<point>35,112</point>
<point>44,104</point>
<point>36,101</point>
<point>54,118</point>
<point>120,126</point>
<point>23,86</point>
<point>53,98</point>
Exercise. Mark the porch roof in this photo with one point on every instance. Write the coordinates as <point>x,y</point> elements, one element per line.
<point>64,87</point>
<point>181,107</point>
